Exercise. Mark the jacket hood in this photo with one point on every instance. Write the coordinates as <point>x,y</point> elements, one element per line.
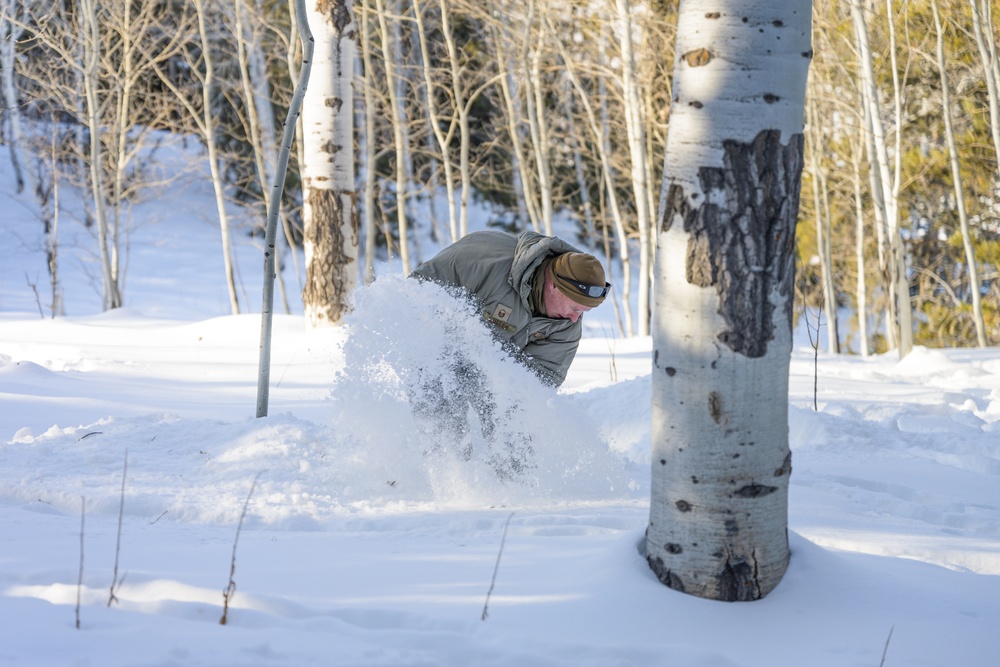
<point>531,250</point>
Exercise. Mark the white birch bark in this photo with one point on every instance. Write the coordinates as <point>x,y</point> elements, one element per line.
<point>369,147</point>
<point>611,192</point>
<point>461,109</point>
<point>207,126</point>
<point>390,58</point>
<point>91,59</point>
<point>724,291</point>
<point>986,44</point>
<point>822,233</point>
<point>887,197</point>
<point>861,293</point>
<point>509,90</point>
<point>956,177</point>
<point>535,101</point>
<point>635,130</point>
<point>329,216</point>
<point>443,138</point>
<point>608,175</point>
<point>260,122</point>
<point>566,99</point>
<point>10,32</point>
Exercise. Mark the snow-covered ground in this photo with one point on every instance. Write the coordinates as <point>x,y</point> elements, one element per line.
<point>363,545</point>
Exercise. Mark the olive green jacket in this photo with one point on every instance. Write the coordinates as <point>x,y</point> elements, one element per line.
<point>497,269</point>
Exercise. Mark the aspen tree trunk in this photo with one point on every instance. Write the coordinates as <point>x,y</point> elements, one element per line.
<point>822,233</point>
<point>986,43</point>
<point>369,147</point>
<point>91,58</point>
<point>390,57</point>
<point>861,294</point>
<point>566,100</point>
<point>509,89</point>
<point>208,129</point>
<point>611,192</point>
<point>329,216</point>
<point>464,132</point>
<point>635,129</point>
<point>607,175</point>
<point>10,32</point>
<point>902,295</point>
<point>724,290</point>
<point>260,120</point>
<point>884,194</point>
<point>956,176</point>
<point>534,99</point>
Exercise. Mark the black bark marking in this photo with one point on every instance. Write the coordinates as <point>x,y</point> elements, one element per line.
<point>712,15</point>
<point>664,574</point>
<point>786,466</point>
<point>737,582</point>
<point>732,527</point>
<point>683,506</point>
<point>339,12</point>
<point>755,491</point>
<point>671,371</point>
<point>744,246</point>
<point>325,287</point>
<point>673,548</point>
<point>715,407</point>
<point>771,98</point>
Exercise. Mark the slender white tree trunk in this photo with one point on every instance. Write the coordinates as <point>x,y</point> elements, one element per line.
<point>91,58</point>
<point>724,292</point>
<point>208,129</point>
<point>581,181</point>
<point>535,99</point>
<point>886,194</point>
<point>822,233</point>
<point>329,215</point>
<point>464,131</point>
<point>260,120</point>
<point>859,250</point>
<point>635,129</point>
<point>956,177</point>
<point>443,138</point>
<point>390,58</point>
<point>509,89</point>
<point>369,146</point>
<point>608,175</point>
<point>986,44</point>
<point>10,32</point>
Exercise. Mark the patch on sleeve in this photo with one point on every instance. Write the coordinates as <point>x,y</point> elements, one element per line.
<point>499,318</point>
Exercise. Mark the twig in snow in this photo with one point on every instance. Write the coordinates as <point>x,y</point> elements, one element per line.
<point>115,582</point>
<point>815,347</point>
<point>886,649</point>
<point>38,300</point>
<point>79,581</point>
<point>496,568</point>
<point>230,590</point>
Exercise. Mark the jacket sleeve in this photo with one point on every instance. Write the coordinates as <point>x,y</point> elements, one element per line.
<point>551,357</point>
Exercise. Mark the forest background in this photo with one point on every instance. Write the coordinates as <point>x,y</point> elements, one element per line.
<point>536,109</point>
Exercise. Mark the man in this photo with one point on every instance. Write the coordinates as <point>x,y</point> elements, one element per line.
<point>532,289</point>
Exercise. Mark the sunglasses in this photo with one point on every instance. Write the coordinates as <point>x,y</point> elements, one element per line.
<point>593,291</point>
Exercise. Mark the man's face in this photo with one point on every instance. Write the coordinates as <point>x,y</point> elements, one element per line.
<point>558,305</point>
